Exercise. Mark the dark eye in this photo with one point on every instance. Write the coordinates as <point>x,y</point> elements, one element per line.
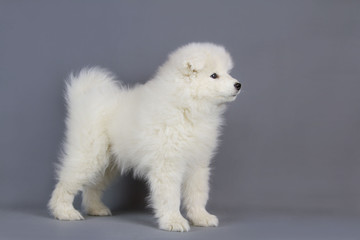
<point>214,76</point>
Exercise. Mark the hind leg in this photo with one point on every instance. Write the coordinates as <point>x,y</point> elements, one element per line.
<point>79,169</point>
<point>91,196</point>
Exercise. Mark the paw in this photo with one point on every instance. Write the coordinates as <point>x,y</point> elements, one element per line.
<point>202,218</point>
<point>68,214</point>
<point>98,211</point>
<point>174,223</point>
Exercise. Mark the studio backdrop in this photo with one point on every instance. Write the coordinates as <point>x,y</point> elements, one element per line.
<point>291,139</point>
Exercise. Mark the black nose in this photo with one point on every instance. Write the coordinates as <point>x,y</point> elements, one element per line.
<point>237,86</point>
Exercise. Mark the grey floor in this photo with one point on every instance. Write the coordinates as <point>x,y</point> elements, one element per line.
<point>29,223</point>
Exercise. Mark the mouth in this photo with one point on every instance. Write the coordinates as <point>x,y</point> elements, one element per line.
<point>235,94</point>
<point>229,98</point>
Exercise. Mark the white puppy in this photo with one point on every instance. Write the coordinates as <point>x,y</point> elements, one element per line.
<point>165,130</point>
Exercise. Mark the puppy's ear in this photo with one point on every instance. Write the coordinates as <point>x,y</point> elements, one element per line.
<point>194,63</point>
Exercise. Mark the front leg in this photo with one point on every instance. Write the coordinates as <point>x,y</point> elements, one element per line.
<point>165,184</point>
<point>195,195</point>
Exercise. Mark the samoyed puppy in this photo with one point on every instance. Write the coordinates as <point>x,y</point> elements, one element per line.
<point>165,131</point>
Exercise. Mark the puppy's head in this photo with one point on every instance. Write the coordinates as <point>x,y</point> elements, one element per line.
<point>204,69</point>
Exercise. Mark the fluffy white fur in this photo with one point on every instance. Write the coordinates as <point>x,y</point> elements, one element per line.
<point>165,130</point>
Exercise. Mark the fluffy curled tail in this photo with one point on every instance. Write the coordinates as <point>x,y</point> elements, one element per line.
<point>90,83</point>
<point>91,97</point>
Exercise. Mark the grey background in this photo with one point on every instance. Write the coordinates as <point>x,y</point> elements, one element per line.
<point>291,143</point>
